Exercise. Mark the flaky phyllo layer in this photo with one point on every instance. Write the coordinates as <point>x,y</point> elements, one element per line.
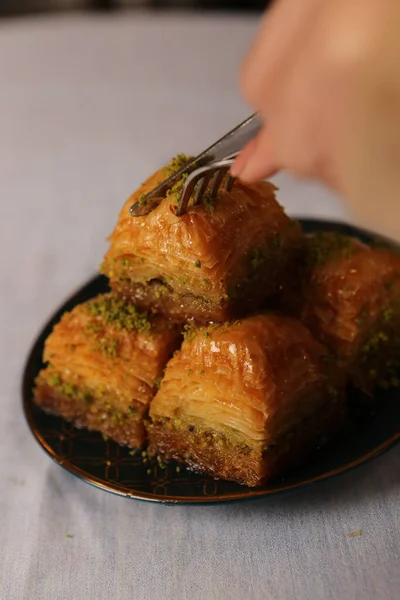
<point>245,385</point>
<point>350,300</point>
<point>105,360</point>
<point>209,264</point>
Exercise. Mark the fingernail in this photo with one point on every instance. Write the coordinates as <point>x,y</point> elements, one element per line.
<point>238,166</point>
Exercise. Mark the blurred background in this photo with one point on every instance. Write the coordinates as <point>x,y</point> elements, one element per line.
<point>15,7</point>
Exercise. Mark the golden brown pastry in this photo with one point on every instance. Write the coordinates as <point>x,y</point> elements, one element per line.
<point>105,359</point>
<point>216,262</point>
<point>350,300</point>
<point>242,401</point>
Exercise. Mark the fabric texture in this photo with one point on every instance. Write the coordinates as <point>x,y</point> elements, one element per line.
<point>88,108</point>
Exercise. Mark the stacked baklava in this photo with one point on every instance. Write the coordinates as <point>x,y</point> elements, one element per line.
<point>227,337</point>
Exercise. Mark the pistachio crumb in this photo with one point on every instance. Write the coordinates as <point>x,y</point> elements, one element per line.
<point>324,247</point>
<point>355,533</point>
<point>108,347</point>
<point>208,203</point>
<point>121,315</point>
<point>177,163</point>
<point>189,332</point>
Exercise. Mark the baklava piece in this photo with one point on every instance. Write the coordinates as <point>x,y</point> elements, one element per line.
<point>104,362</point>
<point>245,400</point>
<point>350,300</point>
<point>218,261</point>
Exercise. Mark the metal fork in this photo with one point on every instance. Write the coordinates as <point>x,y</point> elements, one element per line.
<point>205,173</point>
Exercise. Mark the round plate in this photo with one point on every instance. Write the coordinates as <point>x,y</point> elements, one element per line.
<point>113,468</point>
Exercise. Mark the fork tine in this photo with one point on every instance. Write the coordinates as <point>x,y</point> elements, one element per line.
<point>185,197</point>
<point>201,188</point>
<point>199,180</point>
<point>204,178</point>
<point>229,183</point>
<point>216,183</point>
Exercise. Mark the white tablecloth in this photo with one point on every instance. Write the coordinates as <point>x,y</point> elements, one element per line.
<point>89,107</point>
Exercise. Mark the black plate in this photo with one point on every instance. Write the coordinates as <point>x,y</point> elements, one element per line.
<point>112,468</point>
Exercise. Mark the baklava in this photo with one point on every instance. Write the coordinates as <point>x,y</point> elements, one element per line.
<point>242,401</point>
<point>104,361</point>
<point>350,300</point>
<point>218,261</point>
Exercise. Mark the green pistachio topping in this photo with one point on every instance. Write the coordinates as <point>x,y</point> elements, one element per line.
<point>323,248</point>
<point>67,389</point>
<point>108,346</point>
<point>121,315</point>
<point>176,164</point>
<point>189,332</point>
<point>209,203</point>
<point>257,258</point>
<point>143,200</point>
<point>176,189</point>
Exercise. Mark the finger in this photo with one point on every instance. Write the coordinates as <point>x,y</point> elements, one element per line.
<point>243,157</point>
<point>257,160</point>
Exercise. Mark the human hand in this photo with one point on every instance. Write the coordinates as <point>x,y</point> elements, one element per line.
<point>315,75</point>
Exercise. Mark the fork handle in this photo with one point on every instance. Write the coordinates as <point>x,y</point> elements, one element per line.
<point>230,145</point>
